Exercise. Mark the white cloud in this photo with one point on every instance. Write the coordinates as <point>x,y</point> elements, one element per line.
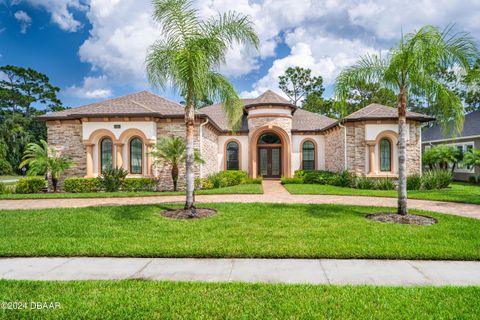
<point>91,88</point>
<point>60,12</point>
<point>24,19</point>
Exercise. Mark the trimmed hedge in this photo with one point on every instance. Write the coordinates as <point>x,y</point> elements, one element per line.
<point>30,185</point>
<point>226,178</point>
<point>82,185</point>
<point>139,184</point>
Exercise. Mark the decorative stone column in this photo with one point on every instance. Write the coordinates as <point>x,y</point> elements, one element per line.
<point>119,155</point>
<point>149,159</point>
<point>89,149</point>
<point>371,157</point>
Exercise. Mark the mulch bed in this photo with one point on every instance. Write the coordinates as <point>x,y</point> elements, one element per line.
<point>389,217</point>
<point>187,214</point>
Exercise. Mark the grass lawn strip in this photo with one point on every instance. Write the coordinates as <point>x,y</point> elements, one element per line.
<point>238,189</point>
<point>240,230</point>
<point>457,192</point>
<point>135,299</point>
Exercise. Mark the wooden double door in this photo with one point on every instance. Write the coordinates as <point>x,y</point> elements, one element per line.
<point>269,162</point>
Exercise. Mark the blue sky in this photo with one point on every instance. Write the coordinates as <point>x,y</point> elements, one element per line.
<point>94,49</point>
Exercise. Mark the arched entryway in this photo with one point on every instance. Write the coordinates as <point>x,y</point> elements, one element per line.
<point>270,153</point>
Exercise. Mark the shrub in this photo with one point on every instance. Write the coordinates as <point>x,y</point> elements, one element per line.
<point>252,180</point>
<point>299,174</point>
<point>293,180</point>
<point>112,179</point>
<point>385,184</point>
<point>82,185</point>
<point>318,177</point>
<point>226,178</point>
<point>343,179</point>
<point>5,167</point>
<point>365,183</point>
<point>472,179</point>
<point>204,183</point>
<point>139,184</point>
<point>436,179</point>
<point>5,189</point>
<point>30,185</point>
<point>414,182</point>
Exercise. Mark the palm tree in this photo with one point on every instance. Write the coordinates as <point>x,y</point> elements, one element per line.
<point>171,151</point>
<point>187,59</point>
<point>42,160</point>
<point>409,69</point>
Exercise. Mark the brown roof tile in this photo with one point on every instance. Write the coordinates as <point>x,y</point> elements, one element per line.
<point>140,103</point>
<point>376,111</point>
<point>269,98</point>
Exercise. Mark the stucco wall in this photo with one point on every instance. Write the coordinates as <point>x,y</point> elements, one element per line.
<point>297,150</point>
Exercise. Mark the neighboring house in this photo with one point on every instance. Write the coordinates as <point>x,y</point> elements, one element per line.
<point>275,138</point>
<point>469,138</point>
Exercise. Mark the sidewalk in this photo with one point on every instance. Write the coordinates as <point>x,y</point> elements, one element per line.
<point>274,192</point>
<point>310,271</point>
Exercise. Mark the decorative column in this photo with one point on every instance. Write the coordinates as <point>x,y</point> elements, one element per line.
<point>371,157</point>
<point>119,155</point>
<point>89,149</point>
<point>149,159</point>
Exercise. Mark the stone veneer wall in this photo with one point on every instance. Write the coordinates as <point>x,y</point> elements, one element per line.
<point>66,137</point>
<point>356,148</point>
<point>209,151</point>
<point>283,122</point>
<point>334,150</point>
<point>414,149</point>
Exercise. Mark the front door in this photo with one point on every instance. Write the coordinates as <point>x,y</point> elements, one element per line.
<point>269,163</point>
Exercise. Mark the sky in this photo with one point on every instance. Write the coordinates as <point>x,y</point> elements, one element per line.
<point>95,49</point>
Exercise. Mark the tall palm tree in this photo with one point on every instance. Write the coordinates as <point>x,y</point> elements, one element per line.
<point>409,69</point>
<point>42,160</point>
<point>187,58</point>
<point>171,151</point>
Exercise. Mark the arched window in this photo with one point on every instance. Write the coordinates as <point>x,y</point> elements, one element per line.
<point>136,156</point>
<point>308,155</point>
<point>385,155</point>
<point>106,154</point>
<point>232,156</point>
<point>269,138</point>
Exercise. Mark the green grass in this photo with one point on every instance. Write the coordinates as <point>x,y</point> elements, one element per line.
<point>239,230</point>
<point>457,192</point>
<point>10,178</point>
<point>239,189</point>
<point>134,299</point>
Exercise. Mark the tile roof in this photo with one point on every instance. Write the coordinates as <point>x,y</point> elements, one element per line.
<point>376,111</point>
<point>471,127</point>
<point>142,103</point>
<point>269,98</point>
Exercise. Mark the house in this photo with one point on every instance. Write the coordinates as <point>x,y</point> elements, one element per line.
<point>275,138</point>
<point>469,138</point>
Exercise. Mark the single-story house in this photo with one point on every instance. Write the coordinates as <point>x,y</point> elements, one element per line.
<point>469,138</point>
<point>275,138</point>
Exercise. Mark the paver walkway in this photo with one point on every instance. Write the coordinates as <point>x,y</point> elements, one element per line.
<point>312,271</point>
<point>274,192</point>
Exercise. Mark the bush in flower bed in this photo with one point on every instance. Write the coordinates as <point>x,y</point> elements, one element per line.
<point>342,179</point>
<point>385,184</point>
<point>139,184</point>
<point>365,183</point>
<point>6,189</point>
<point>414,182</point>
<point>224,179</point>
<point>436,179</point>
<point>30,185</point>
<point>82,185</point>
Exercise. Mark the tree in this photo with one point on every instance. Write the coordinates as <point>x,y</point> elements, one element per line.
<point>298,83</point>
<point>317,104</point>
<point>472,158</point>
<point>364,94</point>
<point>21,87</point>
<point>410,68</point>
<point>187,58</point>
<point>42,160</point>
<point>442,157</point>
<point>171,151</point>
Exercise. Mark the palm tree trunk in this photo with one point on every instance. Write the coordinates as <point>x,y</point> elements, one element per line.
<point>402,153</point>
<point>175,176</point>
<point>54,184</point>
<point>190,157</point>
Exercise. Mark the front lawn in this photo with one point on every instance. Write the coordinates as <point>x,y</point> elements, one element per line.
<point>457,192</point>
<point>253,230</point>
<point>239,189</point>
<point>134,299</point>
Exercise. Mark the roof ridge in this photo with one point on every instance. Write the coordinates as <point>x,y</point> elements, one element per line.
<point>142,105</point>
